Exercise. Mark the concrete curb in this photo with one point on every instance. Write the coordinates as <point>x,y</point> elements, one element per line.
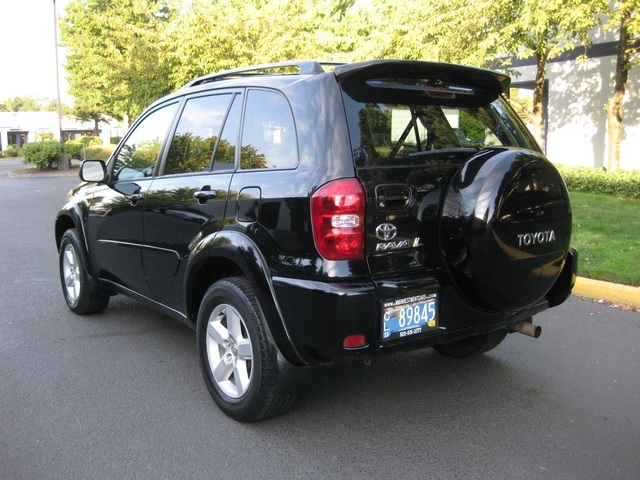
<point>623,295</point>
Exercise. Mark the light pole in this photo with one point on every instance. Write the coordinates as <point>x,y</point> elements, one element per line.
<point>63,164</point>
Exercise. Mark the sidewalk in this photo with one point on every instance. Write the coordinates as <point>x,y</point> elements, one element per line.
<point>15,168</point>
<point>44,173</point>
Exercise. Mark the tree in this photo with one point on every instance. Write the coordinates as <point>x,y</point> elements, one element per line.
<point>625,18</point>
<point>545,29</point>
<point>213,36</point>
<point>89,113</point>
<point>116,63</point>
<point>457,31</point>
<point>29,104</point>
<point>480,33</point>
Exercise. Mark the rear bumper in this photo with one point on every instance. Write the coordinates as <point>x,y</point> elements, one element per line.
<point>318,316</point>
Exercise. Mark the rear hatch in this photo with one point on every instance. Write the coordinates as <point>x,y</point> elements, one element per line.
<point>412,124</point>
<point>427,134</point>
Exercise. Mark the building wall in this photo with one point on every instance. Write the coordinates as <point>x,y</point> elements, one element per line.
<point>578,92</point>
<point>44,122</point>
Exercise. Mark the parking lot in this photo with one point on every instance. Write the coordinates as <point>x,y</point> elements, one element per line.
<point>120,395</point>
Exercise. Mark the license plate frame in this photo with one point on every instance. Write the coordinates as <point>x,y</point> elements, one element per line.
<point>409,316</point>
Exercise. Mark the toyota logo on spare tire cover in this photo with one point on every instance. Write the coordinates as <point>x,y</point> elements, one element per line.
<point>386,231</point>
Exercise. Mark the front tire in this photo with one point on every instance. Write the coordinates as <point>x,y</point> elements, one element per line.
<point>83,294</point>
<point>472,346</point>
<point>238,363</point>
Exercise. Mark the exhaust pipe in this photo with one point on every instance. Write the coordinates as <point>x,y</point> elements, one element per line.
<point>526,328</point>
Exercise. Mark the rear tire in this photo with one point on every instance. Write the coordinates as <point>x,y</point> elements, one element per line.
<point>472,346</point>
<point>238,363</point>
<point>83,293</point>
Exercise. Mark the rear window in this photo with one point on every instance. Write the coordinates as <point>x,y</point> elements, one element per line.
<point>419,129</point>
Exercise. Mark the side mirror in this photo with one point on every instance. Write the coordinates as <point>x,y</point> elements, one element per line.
<point>93,171</point>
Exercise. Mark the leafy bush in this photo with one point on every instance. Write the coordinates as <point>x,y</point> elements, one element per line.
<point>12,151</point>
<point>597,180</point>
<point>73,148</point>
<point>44,154</point>
<point>90,140</point>
<point>114,140</point>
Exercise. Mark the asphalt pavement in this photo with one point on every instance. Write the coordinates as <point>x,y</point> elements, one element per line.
<point>119,395</point>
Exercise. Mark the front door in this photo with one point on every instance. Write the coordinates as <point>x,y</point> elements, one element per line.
<point>114,223</point>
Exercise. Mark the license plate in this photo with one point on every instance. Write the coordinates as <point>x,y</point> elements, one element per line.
<point>409,316</point>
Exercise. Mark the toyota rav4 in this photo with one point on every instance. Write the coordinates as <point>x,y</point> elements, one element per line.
<point>299,214</point>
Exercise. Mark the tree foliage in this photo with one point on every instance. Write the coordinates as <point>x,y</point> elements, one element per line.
<point>123,54</point>
<point>544,29</point>
<point>29,104</point>
<point>211,36</point>
<point>116,64</point>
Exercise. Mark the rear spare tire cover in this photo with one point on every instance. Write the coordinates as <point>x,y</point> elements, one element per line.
<point>505,228</point>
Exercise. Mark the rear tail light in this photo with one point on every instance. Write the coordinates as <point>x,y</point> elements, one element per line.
<point>337,210</point>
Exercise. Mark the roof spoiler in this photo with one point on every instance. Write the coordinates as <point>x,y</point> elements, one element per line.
<point>427,75</point>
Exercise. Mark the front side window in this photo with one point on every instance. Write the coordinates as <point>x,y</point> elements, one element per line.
<point>196,135</point>
<point>268,133</point>
<point>138,155</point>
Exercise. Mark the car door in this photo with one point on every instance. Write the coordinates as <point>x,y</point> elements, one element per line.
<point>114,222</point>
<point>187,202</point>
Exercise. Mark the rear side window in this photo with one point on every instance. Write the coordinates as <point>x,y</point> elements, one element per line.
<point>268,133</point>
<point>198,130</point>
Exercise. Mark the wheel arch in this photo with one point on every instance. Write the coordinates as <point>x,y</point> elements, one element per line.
<point>232,254</point>
<point>63,223</point>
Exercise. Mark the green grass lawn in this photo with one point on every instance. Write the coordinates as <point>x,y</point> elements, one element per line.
<point>606,232</point>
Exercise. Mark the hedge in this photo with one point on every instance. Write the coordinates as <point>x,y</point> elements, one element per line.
<point>598,180</point>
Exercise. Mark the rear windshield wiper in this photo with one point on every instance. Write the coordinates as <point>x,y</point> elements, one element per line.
<point>454,152</point>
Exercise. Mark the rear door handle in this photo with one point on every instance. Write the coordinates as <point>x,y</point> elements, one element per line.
<point>205,194</point>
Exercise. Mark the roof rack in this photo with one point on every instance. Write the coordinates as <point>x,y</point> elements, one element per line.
<point>304,67</point>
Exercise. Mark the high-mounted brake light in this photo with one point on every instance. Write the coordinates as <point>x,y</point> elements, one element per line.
<point>337,210</point>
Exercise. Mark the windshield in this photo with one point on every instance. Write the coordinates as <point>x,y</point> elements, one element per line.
<point>413,134</point>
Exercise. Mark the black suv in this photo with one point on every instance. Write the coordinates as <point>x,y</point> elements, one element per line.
<point>299,214</point>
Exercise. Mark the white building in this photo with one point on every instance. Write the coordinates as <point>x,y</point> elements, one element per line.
<point>18,128</point>
<point>576,97</point>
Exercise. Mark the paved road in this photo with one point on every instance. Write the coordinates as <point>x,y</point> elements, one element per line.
<point>8,165</point>
<point>119,395</point>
